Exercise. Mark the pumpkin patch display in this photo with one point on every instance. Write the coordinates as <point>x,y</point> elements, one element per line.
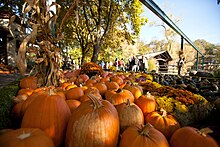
<point>50,113</point>
<point>129,114</point>
<point>26,137</point>
<point>163,122</point>
<point>143,136</point>
<point>94,123</point>
<point>192,137</point>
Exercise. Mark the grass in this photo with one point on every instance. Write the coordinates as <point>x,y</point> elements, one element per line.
<point>6,104</point>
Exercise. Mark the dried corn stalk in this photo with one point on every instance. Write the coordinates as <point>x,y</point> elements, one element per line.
<point>43,23</point>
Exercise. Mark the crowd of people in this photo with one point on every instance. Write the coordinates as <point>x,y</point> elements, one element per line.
<point>133,64</point>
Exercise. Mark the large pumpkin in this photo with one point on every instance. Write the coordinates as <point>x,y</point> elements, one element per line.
<point>143,136</point>
<point>50,113</point>
<point>129,114</point>
<point>192,137</point>
<point>119,96</point>
<point>94,123</point>
<point>146,102</point>
<point>26,137</point>
<point>163,122</point>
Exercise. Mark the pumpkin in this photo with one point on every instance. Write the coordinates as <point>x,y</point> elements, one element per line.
<point>73,104</point>
<point>117,79</point>
<point>101,87</point>
<point>85,97</point>
<point>50,113</point>
<point>136,90</point>
<point>129,114</point>
<point>16,111</point>
<point>74,93</point>
<point>111,85</point>
<point>143,136</point>
<point>26,91</point>
<point>163,122</point>
<point>25,137</point>
<point>94,123</point>
<point>119,96</point>
<point>30,99</point>
<point>192,137</point>
<point>28,82</point>
<point>146,102</point>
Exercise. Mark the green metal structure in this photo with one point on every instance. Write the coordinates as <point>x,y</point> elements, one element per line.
<point>150,4</point>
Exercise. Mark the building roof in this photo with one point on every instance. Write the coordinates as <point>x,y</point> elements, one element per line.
<point>158,55</point>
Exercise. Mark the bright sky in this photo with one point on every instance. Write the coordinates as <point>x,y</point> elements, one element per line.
<point>199,19</point>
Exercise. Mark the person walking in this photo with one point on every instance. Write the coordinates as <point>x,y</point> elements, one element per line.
<point>180,66</point>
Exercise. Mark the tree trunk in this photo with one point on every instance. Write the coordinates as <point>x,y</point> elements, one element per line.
<point>96,49</point>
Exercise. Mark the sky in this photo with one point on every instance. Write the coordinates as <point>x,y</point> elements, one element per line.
<point>199,19</point>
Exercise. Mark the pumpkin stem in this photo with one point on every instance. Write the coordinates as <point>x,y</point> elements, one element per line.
<point>164,112</point>
<point>145,130</point>
<point>119,90</point>
<point>24,135</point>
<point>128,103</point>
<point>97,104</point>
<point>205,131</point>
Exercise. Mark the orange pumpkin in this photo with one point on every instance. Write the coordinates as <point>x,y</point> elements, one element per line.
<point>74,93</point>
<point>119,96</point>
<point>192,137</point>
<point>26,91</point>
<point>73,104</point>
<point>101,87</point>
<point>26,137</point>
<point>28,82</point>
<point>117,79</point>
<point>143,136</point>
<point>50,113</point>
<point>146,102</point>
<point>163,122</point>
<point>135,90</point>
<point>30,99</point>
<point>85,97</point>
<point>111,85</point>
<point>94,123</point>
<point>129,114</point>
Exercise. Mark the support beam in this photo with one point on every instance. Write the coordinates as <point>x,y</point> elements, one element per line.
<point>182,40</point>
<point>157,11</point>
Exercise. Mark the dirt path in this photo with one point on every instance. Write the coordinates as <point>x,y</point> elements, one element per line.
<point>5,79</point>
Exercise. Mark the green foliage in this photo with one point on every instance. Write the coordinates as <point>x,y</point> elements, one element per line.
<point>6,104</point>
<point>103,24</point>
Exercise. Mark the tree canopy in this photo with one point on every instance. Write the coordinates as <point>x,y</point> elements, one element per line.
<point>103,24</point>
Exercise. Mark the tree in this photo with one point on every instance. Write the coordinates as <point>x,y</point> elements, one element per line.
<point>12,5</point>
<point>102,19</point>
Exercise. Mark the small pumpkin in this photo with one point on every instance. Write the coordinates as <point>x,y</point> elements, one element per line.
<point>119,96</point>
<point>74,93</point>
<point>163,122</point>
<point>111,85</point>
<point>147,103</point>
<point>28,82</point>
<point>192,137</point>
<point>143,136</point>
<point>129,114</point>
<point>26,137</point>
<point>73,104</point>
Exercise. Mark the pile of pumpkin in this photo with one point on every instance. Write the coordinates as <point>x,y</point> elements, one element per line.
<point>102,110</point>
